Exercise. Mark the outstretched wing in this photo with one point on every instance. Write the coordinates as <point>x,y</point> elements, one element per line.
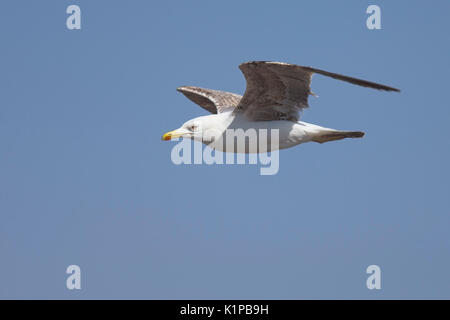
<point>214,101</point>
<point>278,91</point>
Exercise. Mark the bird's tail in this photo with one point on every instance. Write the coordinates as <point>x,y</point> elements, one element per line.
<point>333,135</point>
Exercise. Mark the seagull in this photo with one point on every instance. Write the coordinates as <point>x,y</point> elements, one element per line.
<point>275,95</point>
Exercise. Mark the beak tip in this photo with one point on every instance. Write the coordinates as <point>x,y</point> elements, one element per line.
<point>172,135</point>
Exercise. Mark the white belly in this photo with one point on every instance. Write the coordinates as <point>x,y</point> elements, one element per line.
<point>262,136</point>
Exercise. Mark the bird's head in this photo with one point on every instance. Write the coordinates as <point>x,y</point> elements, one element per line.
<point>203,129</point>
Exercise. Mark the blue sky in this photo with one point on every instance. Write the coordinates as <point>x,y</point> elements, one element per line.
<point>86,180</point>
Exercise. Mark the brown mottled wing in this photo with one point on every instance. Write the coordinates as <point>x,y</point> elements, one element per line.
<point>214,101</point>
<point>278,91</point>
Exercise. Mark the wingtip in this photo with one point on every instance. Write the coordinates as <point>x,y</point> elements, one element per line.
<point>184,88</point>
<point>391,89</point>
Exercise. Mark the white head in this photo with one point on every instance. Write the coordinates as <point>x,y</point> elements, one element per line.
<point>203,129</point>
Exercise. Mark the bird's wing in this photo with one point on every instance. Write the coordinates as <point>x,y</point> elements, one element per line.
<point>278,91</point>
<point>214,101</point>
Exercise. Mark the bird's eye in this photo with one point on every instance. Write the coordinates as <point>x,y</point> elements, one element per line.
<point>192,127</point>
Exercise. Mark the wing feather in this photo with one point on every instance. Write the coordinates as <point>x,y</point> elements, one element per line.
<point>214,101</point>
<point>278,91</point>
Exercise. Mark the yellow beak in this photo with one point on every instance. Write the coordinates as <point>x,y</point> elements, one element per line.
<point>173,135</point>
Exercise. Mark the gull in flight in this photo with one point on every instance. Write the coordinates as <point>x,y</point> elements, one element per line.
<point>276,93</point>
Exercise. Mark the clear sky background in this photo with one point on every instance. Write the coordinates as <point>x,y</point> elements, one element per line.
<point>86,180</point>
